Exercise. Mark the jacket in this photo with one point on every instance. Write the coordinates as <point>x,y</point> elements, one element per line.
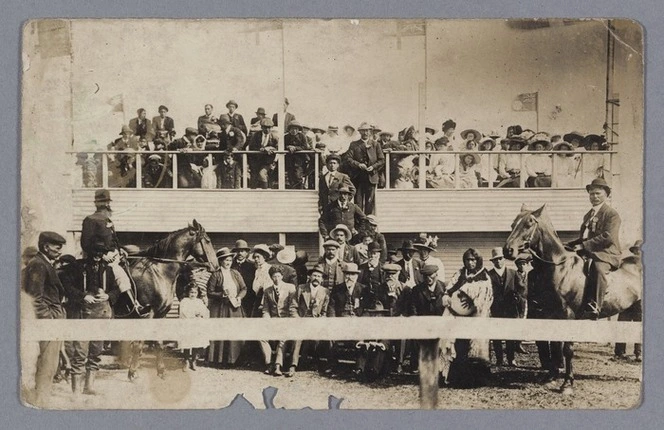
<point>372,156</point>
<point>41,281</point>
<point>98,228</point>
<point>425,302</point>
<point>310,304</point>
<point>83,277</point>
<point>509,294</point>
<point>417,266</point>
<point>333,215</point>
<point>278,307</point>
<point>343,304</point>
<point>603,242</point>
<point>330,193</point>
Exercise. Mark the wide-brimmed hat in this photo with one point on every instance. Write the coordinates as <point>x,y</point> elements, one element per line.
<point>488,139</point>
<point>102,196</point>
<point>232,102</point>
<point>364,126</point>
<point>376,128</point>
<point>407,246</point>
<point>599,182</point>
<point>260,111</point>
<point>430,128</point>
<point>332,128</point>
<point>372,219</point>
<point>318,129</point>
<point>241,245</point>
<point>477,134</point>
<point>262,249</point>
<point>224,252</point>
<point>333,156</point>
<point>419,245</point>
<point>559,146</point>
<point>516,141</point>
<point>573,135</point>
<point>593,138</point>
<point>476,158</point>
<point>541,138</point>
<point>347,126</point>
<point>126,130</point>
<point>497,252</point>
<point>286,255</point>
<point>317,268</point>
<point>294,124</point>
<point>350,268</point>
<point>343,228</point>
<point>331,242</point>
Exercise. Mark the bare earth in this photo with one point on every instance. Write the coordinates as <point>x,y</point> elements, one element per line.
<point>601,383</point>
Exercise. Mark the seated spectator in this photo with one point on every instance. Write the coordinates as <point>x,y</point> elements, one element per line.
<point>208,123</point>
<point>594,163</point>
<point>538,166</point>
<point>156,174</point>
<point>509,165</point>
<point>575,139</point>
<point>229,172</point>
<point>334,144</point>
<point>141,126</point>
<point>236,118</point>
<point>162,123</point>
<point>408,139</point>
<point>468,174</point>
<point>471,139</point>
<point>341,211</point>
<point>189,165</point>
<point>331,182</point>
<point>488,163</point>
<point>387,144</point>
<point>440,172</point>
<point>121,168</point>
<point>296,164</point>
<point>566,169</point>
<point>262,166</point>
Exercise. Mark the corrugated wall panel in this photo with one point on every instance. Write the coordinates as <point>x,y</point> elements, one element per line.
<point>474,210</point>
<point>217,211</point>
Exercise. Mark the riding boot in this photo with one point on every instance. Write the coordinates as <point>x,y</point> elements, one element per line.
<point>77,384</point>
<point>141,311</point>
<point>89,383</point>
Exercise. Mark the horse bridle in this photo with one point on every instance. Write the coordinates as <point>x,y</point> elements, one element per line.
<point>526,245</point>
<point>199,239</point>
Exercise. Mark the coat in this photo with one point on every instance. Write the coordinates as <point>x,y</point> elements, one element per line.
<point>233,138</point>
<point>308,303</point>
<point>219,304</point>
<point>274,307</point>
<point>330,193</point>
<point>168,124</point>
<point>425,302</point>
<point>417,267</point>
<point>258,161</point>
<point>373,157</point>
<point>342,304</point>
<point>42,283</point>
<point>237,120</point>
<point>333,215</point>
<point>603,241</point>
<point>333,272</point>
<point>141,130</point>
<point>98,227</point>
<point>509,294</point>
<point>77,286</point>
<point>289,117</point>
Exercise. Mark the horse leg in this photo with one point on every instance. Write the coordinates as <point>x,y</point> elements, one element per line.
<point>159,357</point>
<point>136,351</point>
<point>568,384</point>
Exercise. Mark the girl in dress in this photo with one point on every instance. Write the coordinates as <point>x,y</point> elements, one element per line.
<point>192,307</point>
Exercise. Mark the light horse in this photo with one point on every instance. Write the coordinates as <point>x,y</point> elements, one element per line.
<point>557,282</point>
<point>155,272</point>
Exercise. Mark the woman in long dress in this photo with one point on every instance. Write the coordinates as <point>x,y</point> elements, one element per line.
<point>465,362</point>
<point>225,290</point>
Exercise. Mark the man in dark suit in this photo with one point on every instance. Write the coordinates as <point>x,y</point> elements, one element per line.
<point>207,122</point>
<point>41,282</point>
<point>261,164</point>
<point>372,275</point>
<point>141,126</point>
<point>347,253</point>
<point>509,300</point>
<point>331,182</point>
<point>296,164</point>
<point>230,138</point>
<point>427,296</point>
<point>599,239</point>
<point>236,119</point>
<point>366,161</point>
<point>255,122</point>
<point>162,122</point>
<point>410,273</point>
<point>342,211</point>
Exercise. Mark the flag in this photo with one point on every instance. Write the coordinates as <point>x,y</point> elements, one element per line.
<point>525,102</point>
<point>117,103</point>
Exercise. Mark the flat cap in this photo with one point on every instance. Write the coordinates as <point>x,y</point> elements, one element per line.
<point>51,237</point>
<point>429,269</point>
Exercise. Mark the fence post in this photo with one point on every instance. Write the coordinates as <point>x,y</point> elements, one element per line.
<point>457,166</point>
<point>554,174</point>
<point>281,165</point>
<point>104,170</point>
<point>523,175</point>
<point>429,373</point>
<point>175,171</point>
<point>317,156</point>
<point>245,171</point>
<point>422,166</point>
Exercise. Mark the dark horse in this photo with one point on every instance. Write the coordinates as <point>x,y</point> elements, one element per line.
<point>557,281</point>
<point>155,272</point>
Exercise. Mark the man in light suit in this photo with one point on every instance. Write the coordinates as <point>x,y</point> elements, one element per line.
<point>311,301</point>
<point>366,161</point>
<point>162,122</point>
<point>599,239</point>
<point>331,182</point>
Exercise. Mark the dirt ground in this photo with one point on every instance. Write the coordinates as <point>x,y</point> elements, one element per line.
<point>601,383</point>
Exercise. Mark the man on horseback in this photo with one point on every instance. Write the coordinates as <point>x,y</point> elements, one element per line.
<point>599,240</point>
<point>98,230</point>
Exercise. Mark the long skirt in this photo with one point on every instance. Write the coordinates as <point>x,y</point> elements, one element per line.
<point>224,351</point>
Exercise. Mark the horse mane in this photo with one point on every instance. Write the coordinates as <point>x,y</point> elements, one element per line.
<point>161,247</point>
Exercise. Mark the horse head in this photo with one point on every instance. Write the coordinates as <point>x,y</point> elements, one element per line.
<point>201,245</point>
<point>529,230</point>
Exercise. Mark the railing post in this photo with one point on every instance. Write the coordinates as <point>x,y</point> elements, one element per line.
<point>422,165</point>
<point>104,170</point>
<point>457,166</point>
<point>245,171</point>
<point>523,175</point>
<point>317,156</point>
<point>554,174</point>
<point>387,170</point>
<point>139,170</point>
<point>174,165</point>
<point>281,165</point>
<point>583,168</point>
<point>490,171</point>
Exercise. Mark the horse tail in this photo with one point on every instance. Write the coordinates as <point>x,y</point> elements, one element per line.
<point>636,248</point>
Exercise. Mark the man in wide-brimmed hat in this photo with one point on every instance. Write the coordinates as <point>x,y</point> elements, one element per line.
<point>598,238</point>
<point>410,267</point>
<point>341,211</point>
<point>247,269</point>
<point>236,118</point>
<point>263,173</point>
<point>231,138</point>
<point>347,253</point>
<point>366,161</point>
<point>330,183</point>
<point>425,245</point>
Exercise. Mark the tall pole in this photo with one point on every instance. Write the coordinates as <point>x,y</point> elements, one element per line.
<point>537,111</point>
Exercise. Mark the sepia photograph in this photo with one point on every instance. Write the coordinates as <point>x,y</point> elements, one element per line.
<point>331,213</point>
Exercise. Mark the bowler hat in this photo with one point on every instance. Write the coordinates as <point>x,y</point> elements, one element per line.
<point>375,247</point>
<point>497,252</point>
<point>260,111</point>
<point>364,126</point>
<point>294,124</point>
<point>331,242</point>
<point>262,249</point>
<point>232,102</point>
<point>241,245</point>
<point>350,268</point>
<point>343,228</point>
<point>162,107</point>
<point>332,128</point>
<point>51,237</point>
<point>599,183</point>
<point>317,268</point>
<point>102,196</point>
<point>224,252</point>
<point>429,269</point>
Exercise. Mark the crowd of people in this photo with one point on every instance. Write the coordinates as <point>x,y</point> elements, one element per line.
<point>360,153</point>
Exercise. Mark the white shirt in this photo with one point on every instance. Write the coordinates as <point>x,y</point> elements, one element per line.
<point>262,279</point>
<point>229,282</point>
<point>408,267</point>
<point>499,271</point>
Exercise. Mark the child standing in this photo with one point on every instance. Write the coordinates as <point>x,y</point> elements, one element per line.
<point>192,307</point>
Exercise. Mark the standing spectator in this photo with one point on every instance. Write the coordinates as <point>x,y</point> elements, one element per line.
<point>225,290</point>
<point>488,162</point>
<point>189,169</point>
<point>331,182</point>
<point>208,123</point>
<point>538,166</point>
<point>370,226</point>
<point>300,265</point>
<point>247,270</point>
<point>121,168</point>
<point>633,313</point>
<point>331,265</point>
<point>509,301</point>
<point>449,128</point>
<point>141,126</point>
<point>425,246</point>
<point>287,116</point>
<point>296,164</point>
<point>410,273</point>
<point>262,165</point>
<point>230,138</point>
<point>372,275</point>
<point>311,301</point>
<point>236,118</point>
<point>386,143</point>
<point>366,161</point>
<point>286,257</point>
<point>41,282</point>
<point>277,300</point>
<point>347,252</point>
<point>342,211</point>
<point>191,345</point>
<point>229,172</point>
<point>162,123</point>
<point>335,144</point>
<point>255,122</point>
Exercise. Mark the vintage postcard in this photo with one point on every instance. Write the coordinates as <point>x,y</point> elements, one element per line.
<point>357,214</point>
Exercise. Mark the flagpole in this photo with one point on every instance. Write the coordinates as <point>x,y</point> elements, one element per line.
<point>537,111</point>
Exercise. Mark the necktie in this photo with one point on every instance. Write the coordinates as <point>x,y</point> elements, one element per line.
<point>264,142</point>
<point>329,179</point>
